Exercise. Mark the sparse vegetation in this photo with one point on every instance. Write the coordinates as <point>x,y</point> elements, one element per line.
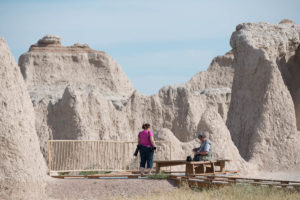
<point>86,173</point>
<point>63,173</point>
<point>236,192</point>
<point>158,176</point>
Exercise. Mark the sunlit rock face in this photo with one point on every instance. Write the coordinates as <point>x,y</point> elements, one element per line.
<point>264,110</point>
<point>81,93</point>
<point>22,167</point>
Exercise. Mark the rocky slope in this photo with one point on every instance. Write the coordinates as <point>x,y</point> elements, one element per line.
<point>22,167</point>
<point>264,108</point>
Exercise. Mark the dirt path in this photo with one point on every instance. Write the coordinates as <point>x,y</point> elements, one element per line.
<point>94,189</point>
<point>284,175</point>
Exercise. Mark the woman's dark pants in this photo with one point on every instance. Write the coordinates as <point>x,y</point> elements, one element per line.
<point>146,156</point>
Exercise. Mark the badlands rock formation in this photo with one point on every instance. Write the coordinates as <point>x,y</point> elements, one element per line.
<point>82,114</point>
<point>80,93</point>
<point>220,137</point>
<point>48,63</point>
<point>76,98</point>
<point>49,67</point>
<point>22,167</point>
<point>264,110</point>
<point>219,74</point>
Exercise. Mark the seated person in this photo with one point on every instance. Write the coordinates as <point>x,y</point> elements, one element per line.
<point>204,152</point>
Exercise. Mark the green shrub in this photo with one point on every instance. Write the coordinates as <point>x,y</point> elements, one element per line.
<point>86,173</point>
<point>158,176</point>
<point>63,173</point>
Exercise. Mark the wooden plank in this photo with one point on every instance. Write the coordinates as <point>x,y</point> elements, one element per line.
<point>170,161</point>
<point>184,161</point>
<point>61,177</point>
<point>92,177</point>
<point>284,182</point>
<point>172,177</point>
<point>210,169</point>
<point>175,172</point>
<point>170,164</point>
<point>226,160</point>
<point>170,147</point>
<point>200,169</point>
<point>49,157</point>
<point>189,169</point>
<point>254,179</point>
<point>124,156</point>
<point>208,181</point>
<point>222,166</point>
<point>273,180</point>
<point>191,165</point>
<point>59,150</point>
<point>177,181</point>
<point>192,162</point>
<point>215,173</point>
<point>98,176</point>
<point>192,183</point>
<point>132,177</point>
<point>201,162</point>
<point>157,168</point>
<point>184,178</point>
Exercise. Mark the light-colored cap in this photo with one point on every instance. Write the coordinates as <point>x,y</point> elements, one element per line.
<point>203,134</point>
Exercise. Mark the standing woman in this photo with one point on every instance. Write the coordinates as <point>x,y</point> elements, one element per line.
<point>146,147</point>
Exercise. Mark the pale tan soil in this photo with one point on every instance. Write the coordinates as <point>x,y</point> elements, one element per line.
<point>90,189</point>
<point>292,175</point>
<point>94,189</point>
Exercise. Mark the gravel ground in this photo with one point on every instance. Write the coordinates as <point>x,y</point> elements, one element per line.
<point>284,175</point>
<point>94,189</point>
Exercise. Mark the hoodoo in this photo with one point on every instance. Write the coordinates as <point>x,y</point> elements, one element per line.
<point>263,112</point>
<point>22,167</point>
<point>81,93</point>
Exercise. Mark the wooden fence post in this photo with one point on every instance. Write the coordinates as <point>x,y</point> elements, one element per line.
<point>49,157</point>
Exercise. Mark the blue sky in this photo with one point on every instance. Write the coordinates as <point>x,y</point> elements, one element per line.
<point>157,42</point>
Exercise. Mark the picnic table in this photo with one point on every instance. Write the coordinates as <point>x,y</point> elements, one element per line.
<point>194,167</point>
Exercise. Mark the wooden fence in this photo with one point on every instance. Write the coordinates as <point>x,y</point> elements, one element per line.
<point>98,155</point>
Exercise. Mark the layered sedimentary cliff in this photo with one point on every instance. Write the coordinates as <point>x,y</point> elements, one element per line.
<point>48,68</point>
<point>264,109</point>
<point>80,93</point>
<point>79,99</point>
<point>22,167</point>
<point>48,63</point>
<point>248,99</point>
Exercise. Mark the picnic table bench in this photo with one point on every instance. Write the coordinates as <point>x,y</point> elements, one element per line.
<point>194,167</point>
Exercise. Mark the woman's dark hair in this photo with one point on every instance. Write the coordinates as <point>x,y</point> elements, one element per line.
<point>146,126</point>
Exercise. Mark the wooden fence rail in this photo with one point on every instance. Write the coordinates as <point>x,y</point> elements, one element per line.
<point>98,155</point>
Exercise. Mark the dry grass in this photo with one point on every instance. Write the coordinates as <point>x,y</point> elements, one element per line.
<point>236,192</point>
